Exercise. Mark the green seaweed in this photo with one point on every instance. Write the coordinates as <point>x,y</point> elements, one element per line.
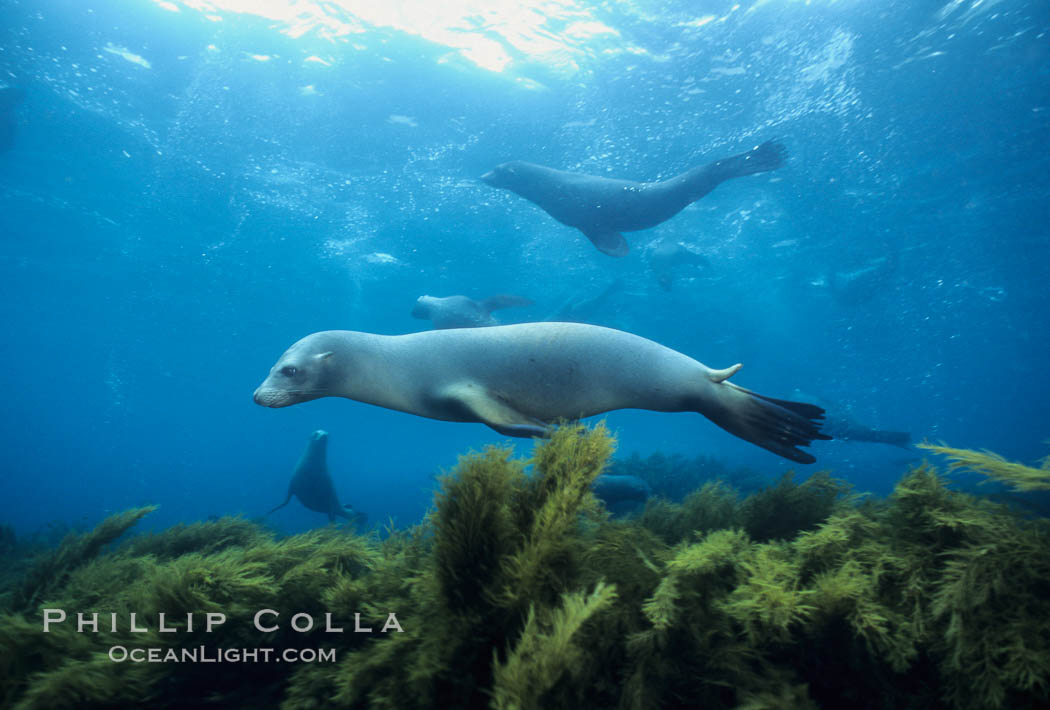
<point>546,651</point>
<point>51,569</point>
<point>1019,477</point>
<point>518,591</point>
<point>714,506</point>
<point>781,511</point>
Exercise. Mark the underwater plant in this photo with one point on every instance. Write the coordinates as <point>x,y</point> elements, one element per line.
<point>674,476</point>
<point>519,591</point>
<point>781,511</point>
<point>1016,475</point>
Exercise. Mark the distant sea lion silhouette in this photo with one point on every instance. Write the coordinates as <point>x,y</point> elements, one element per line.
<point>463,312</point>
<point>666,256</point>
<point>580,308</point>
<point>10,97</point>
<point>602,207</point>
<point>312,485</point>
<point>616,488</point>
<point>862,284</point>
<point>519,379</point>
<point>841,425</point>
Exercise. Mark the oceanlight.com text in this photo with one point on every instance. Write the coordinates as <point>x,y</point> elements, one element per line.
<point>203,654</point>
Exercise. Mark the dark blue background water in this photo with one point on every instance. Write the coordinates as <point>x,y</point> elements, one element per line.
<point>188,195</point>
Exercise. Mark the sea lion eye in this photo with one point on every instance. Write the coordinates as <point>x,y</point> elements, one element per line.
<point>289,371</point>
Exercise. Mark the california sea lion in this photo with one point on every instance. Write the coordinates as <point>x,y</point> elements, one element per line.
<point>10,97</point>
<point>666,256</point>
<point>519,379</point>
<point>616,488</point>
<point>463,312</point>
<point>840,424</point>
<point>583,307</point>
<point>864,283</point>
<point>601,207</point>
<point>312,484</point>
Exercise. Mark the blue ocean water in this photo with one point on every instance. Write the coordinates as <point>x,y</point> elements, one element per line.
<point>193,186</point>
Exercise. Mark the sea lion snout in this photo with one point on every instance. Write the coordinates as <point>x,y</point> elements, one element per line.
<point>270,397</point>
<point>501,176</point>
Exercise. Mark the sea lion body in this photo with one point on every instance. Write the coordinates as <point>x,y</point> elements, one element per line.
<point>10,98</point>
<point>666,256</point>
<point>618,488</point>
<point>584,307</point>
<point>840,424</point>
<point>519,379</point>
<point>603,207</point>
<point>312,484</point>
<point>463,312</point>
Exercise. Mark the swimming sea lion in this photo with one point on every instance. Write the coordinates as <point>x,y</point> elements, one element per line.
<point>617,488</point>
<point>463,312</point>
<point>862,284</point>
<point>312,484</point>
<point>585,307</point>
<point>666,256</point>
<point>10,97</point>
<point>840,424</point>
<point>519,379</point>
<point>601,207</point>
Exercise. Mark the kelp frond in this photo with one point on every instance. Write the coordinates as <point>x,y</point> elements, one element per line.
<point>50,571</point>
<point>546,650</point>
<point>566,466</point>
<point>1019,477</point>
<point>516,593</point>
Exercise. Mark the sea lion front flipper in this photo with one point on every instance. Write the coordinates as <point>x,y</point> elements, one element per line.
<point>494,412</point>
<point>611,243</point>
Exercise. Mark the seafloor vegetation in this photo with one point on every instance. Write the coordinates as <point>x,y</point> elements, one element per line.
<point>519,591</point>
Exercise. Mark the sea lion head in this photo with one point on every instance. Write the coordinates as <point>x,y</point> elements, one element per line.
<point>507,175</point>
<point>316,448</point>
<point>303,373</point>
<point>424,308</point>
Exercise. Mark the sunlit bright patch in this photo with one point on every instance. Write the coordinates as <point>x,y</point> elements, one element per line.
<point>164,5</point>
<point>125,54</point>
<point>261,57</point>
<point>529,84</point>
<point>317,60</point>
<point>398,119</point>
<point>486,53</point>
<point>489,33</point>
<point>700,21</point>
<point>590,28</point>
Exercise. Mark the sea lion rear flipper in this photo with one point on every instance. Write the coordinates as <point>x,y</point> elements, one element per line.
<point>768,156</point>
<point>494,412</point>
<point>777,425</point>
<point>611,243</point>
<point>282,504</point>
